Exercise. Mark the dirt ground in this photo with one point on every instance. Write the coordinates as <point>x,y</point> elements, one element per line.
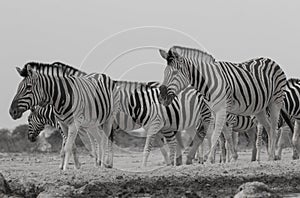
<point>31,174</point>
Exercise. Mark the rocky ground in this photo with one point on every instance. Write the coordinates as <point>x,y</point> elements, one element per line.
<point>32,175</point>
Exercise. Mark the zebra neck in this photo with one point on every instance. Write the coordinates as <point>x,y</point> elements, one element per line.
<point>206,78</point>
<point>61,99</point>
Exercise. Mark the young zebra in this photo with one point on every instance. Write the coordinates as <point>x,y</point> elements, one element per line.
<point>87,101</point>
<point>247,88</point>
<point>189,110</point>
<point>41,116</point>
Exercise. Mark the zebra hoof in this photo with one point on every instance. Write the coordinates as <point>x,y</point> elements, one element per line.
<point>200,160</point>
<point>189,161</point>
<point>277,157</point>
<point>295,156</point>
<point>108,166</point>
<point>172,163</point>
<point>77,166</point>
<point>179,161</point>
<point>211,161</point>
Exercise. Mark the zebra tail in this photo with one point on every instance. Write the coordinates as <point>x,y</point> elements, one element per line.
<point>287,120</point>
<point>179,139</point>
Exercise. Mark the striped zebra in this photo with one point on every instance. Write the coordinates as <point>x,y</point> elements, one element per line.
<point>187,111</point>
<point>125,121</point>
<point>292,108</point>
<point>87,101</point>
<point>61,69</point>
<point>41,116</point>
<point>247,88</point>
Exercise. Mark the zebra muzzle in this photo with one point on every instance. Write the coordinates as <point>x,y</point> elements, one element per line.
<point>32,137</point>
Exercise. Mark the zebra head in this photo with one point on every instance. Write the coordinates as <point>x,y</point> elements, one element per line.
<point>29,93</point>
<point>175,76</point>
<point>36,123</point>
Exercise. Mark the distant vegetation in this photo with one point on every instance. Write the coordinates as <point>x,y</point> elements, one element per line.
<point>17,141</point>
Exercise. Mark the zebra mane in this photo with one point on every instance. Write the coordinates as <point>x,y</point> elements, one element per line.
<point>147,84</point>
<point>294,80</point>
<point>192,53</point>
<point>63,68</point>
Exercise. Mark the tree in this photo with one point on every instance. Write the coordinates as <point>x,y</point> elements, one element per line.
<point>20,132</point>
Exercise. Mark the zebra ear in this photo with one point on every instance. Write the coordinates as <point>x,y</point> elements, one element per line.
<point>19,70</point>
<point>163,54</point>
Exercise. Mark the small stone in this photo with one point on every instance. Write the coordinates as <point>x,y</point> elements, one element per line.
<point>119,177</point>
<point>254,189</point>
<point>4,187</point>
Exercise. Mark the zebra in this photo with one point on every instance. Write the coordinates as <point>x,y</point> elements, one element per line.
<point>247,88</point>
<point>292,108</point>
<point>41,116</point>
<point>85,101</point>
<point>125,121</point>
<point>189,110</point>
<point>61,69</point>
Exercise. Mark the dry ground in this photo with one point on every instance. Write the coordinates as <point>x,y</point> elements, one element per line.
<point>30,174</point>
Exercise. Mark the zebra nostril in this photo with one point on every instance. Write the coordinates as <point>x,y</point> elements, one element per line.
<point>31,137</point>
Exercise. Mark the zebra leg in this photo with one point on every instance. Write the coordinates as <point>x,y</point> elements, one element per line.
<point>274,118</point>
<point>96,134</point>
<point>171,140</point>
<point>252,137</point>
<point>228,137</point>
<point>72,133</point>
<point>295,139</point>
<point>201,130</point>
<point>64,134</point>
<point>62,153</point>
<point>205,157</point>
<point>107,127</point>
<point>94,145</point>
<point>159,139</point>
<point>147,149</point>
<point>198,140</point>
<point>224,149</point>
<point>103,144</point>
<point>259,140</point>
<point>280,145</point>
<point>153,127</point>
<point>100,139</point>
<point>219,125</point>
<point>235,137</point>
<point>201,153</point>
<point>263,123</point>
<point>179,148</point>
<point>75,157</point>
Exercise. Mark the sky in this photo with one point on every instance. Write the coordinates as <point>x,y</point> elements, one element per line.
<point>122,38</point>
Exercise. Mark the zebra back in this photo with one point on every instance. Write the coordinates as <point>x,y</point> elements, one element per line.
<point>189,109</point>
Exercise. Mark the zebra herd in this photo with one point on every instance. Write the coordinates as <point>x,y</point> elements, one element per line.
<point>207,98</point>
